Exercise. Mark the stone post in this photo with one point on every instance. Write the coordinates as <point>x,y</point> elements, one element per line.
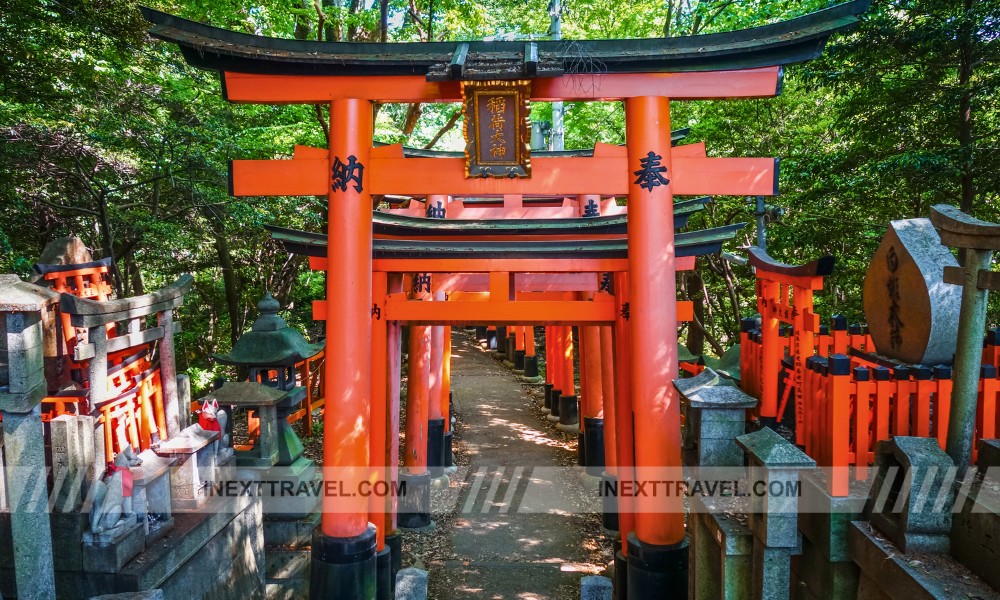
<point>184,400</point>
<point>716,416</point>
<point>172,408</point>
<point>775,464</point>
<point>22,387</point>
<point>978,239</point>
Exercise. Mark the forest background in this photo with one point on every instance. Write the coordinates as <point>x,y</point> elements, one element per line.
<point>109,135</point>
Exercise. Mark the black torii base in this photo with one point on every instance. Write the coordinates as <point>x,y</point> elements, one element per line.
<point>343,567</point>
<point>653,569</point>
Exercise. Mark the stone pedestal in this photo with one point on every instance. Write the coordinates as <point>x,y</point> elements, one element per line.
<point>108,554</point>
<point>276,442</point>
<point>193,456</point>
<point>775,465</point>
<point>721,549</point>
<point>74,459</point>
<point>151,495</point>
<point>716,416</point>
<point>824,570</point>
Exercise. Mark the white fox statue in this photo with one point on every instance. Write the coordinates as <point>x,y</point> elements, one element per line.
<point>111,511</point>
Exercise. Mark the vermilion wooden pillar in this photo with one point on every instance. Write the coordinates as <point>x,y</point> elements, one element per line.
<point>625,449</point>
<point>414,508</point>
<point>659,536</point>
<point>379,403</point>
<point>435,419</point>
<point>608,395</point>
<point>567,381</point>
<point>344,526</point>
<point>554,367</point>
<point>772,353</point>
<point>551,368</point>
<point>379,512</point>
<point>592,392</point>
<point>394,351</point>
<point>446,396</point>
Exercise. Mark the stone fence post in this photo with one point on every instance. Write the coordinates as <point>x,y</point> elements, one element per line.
<point>22,387</point>
<point>774,487</point>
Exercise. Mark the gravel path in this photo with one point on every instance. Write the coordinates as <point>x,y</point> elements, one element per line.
<point>510,525</point>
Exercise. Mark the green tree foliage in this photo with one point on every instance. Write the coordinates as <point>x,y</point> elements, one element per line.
<point>109,135</point>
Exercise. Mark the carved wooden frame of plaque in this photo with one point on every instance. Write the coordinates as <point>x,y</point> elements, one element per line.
<point>517,162</point>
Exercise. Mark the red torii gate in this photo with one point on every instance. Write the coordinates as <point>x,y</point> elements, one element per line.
<point>645,74</point>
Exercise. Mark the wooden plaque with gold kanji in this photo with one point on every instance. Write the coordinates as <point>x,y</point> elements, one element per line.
<point>497,128</point>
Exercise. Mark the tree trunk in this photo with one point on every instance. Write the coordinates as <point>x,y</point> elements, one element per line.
<point>965,142</point>
<point>696,335</point>
<point>229,282</point>
<point>108,244</point>
<point>383,21</point>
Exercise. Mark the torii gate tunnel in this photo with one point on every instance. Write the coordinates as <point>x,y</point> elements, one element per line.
<point>364,272</point>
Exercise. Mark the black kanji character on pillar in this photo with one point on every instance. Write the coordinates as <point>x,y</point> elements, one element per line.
<point>625,311</point>
<point>649,176</point>
<point>435,212</point>
<point>346,173</point>
<point>421,281</point>
<point>376,312</point>
<point>605,285</point>
<point>591,210</point>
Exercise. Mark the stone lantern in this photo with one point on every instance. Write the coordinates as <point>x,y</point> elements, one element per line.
<point>270,350</point>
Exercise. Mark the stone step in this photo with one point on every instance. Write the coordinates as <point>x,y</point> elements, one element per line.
<point>286,589</point>
<point>282,563</point>
<point>290,532</point>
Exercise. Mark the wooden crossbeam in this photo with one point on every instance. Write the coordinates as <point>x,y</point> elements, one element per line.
<point>488,265</point>
<point>607,176</point>
<point>761,82</point>
<point>468,311</point>
<point>531,267</point>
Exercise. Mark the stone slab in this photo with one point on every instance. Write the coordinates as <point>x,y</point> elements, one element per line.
<point>771,573</point>
<point>293,533</point>
<point>769,449</point>
<point>145,595</point>
<point>411,584</point>
<point>822,578</point>
<point>190,441</point>
<point>989,454</point>
<point>824,520</point>
<point>910,576</point>
<point>30,525</point>
<point>690,385</point>
<point>287,589</point>
<point>191,532</point>
<point>595,587</point>
<point>975,533</point>
<point>280,563</point>
<point>21,296</point>
<point>110,557</point>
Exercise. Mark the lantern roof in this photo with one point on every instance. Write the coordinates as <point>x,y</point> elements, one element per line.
<point>270,342</point>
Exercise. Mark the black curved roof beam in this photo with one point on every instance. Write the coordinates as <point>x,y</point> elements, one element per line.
<point>415,227</point>
<point>694,243</point>
<point>793,41</point>
<point>763,261</point>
